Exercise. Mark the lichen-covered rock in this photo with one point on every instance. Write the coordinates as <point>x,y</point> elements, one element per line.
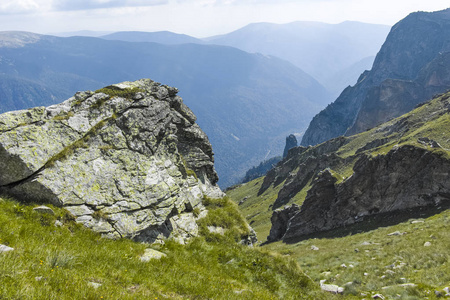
<point>127,161</point>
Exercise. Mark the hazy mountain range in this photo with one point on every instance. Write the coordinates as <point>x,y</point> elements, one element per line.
<point>334,54</point>
<point>246,103</point>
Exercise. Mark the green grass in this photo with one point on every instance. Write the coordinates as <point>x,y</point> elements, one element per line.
<point>126,93</point>
<point>428,267</point>
<point>257,209</point>
<point>405,255</point>
<point>50,262</point>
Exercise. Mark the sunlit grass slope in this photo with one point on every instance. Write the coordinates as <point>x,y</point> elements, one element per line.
<point>68,261</point>
<point>414,263</point>
<point>376,262</point>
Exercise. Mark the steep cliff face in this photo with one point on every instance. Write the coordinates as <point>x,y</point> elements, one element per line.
<point>405,178</point>
<point>411,66</point>
<point>127,160</point>
<point>401,165</point>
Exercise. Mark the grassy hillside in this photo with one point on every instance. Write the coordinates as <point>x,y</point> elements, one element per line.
<point>375,262</point>
<point>67,261</point>
<point>430,120</point>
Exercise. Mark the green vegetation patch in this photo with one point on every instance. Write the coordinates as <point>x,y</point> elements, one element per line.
<point>68,261</point>
<point>126,93</point>
<point>376,262</point>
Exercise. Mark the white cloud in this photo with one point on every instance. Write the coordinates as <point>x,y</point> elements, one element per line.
<point>67,5</point>
<point>18,6</point>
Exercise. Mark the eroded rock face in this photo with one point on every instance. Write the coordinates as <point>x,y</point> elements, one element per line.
<point>412,65</point>
<point>126,161</point>
<point>407,177</point>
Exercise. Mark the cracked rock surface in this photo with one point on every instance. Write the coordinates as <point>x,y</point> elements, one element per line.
<point>127,161</point>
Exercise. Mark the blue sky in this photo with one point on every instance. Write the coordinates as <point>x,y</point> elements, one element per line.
<point>198,18</point>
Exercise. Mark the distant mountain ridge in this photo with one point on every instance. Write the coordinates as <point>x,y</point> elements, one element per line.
<point>320,49</point>
<point>412,65</point>
<point>334,54</point>
<point>231,92</point>
<point>162,37</point>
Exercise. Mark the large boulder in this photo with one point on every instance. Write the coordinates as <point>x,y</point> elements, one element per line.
<point>127,160</point>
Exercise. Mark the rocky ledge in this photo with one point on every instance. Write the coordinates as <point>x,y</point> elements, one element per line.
<point>407,177</point>
<point>127,160</point>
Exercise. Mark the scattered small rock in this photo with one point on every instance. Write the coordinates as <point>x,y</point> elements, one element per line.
<point>356,250</point>
<point>218,230</point>
<point>433,237</point>
<point>428,142</point>
<point>95,285</point>
<point>412,285</point>
<point>417,221</point>
<point>438,293</point>
<point>243,200</point>
<point>447,291</point>
<point>38,278</point>
<point>241,291</point>
<point>4,248</point>
<point>395,233</point>
<point>151,254</point>
<point>378,296</point>
<point>44,210</point>
<point>58,223</point>
<point>365,243</point>
<point>389,272</point>
<point>399,266</point>
<point>366,274</point>
<point>382,276</point>
<point>314,248</point>
<point>351,266</point>
<point>427,244</point>
<point>331,288</point>
<point>343,266</point>
<point>326,273</point>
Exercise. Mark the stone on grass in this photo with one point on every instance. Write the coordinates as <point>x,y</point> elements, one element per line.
<point>58,223</point>
<point>395,233</point>
<point>44,210</point>
<point>4,248</point>
<point>314,248</point>
<point>427,244</point>
<point>151,254</point>
<point>95,285</point>
<point>218,230</point>
<point>331,288</point>
<point>378,296</point>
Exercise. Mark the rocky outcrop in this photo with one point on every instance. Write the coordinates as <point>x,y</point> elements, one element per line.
<point>291,142</point>
<point>280,221</point>
<point>299,167</point>
<point>406,177</point>
<point>412,65</point>
<point>127,160</point>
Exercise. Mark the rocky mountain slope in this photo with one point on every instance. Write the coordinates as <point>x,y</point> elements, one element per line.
<point>398,166</point>
<point>127,160</point>
<point>411,66</point>
<point>231,92</point>
<point>321,50</point>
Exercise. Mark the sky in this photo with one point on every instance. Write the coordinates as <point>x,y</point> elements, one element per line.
<point>198,18</point>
